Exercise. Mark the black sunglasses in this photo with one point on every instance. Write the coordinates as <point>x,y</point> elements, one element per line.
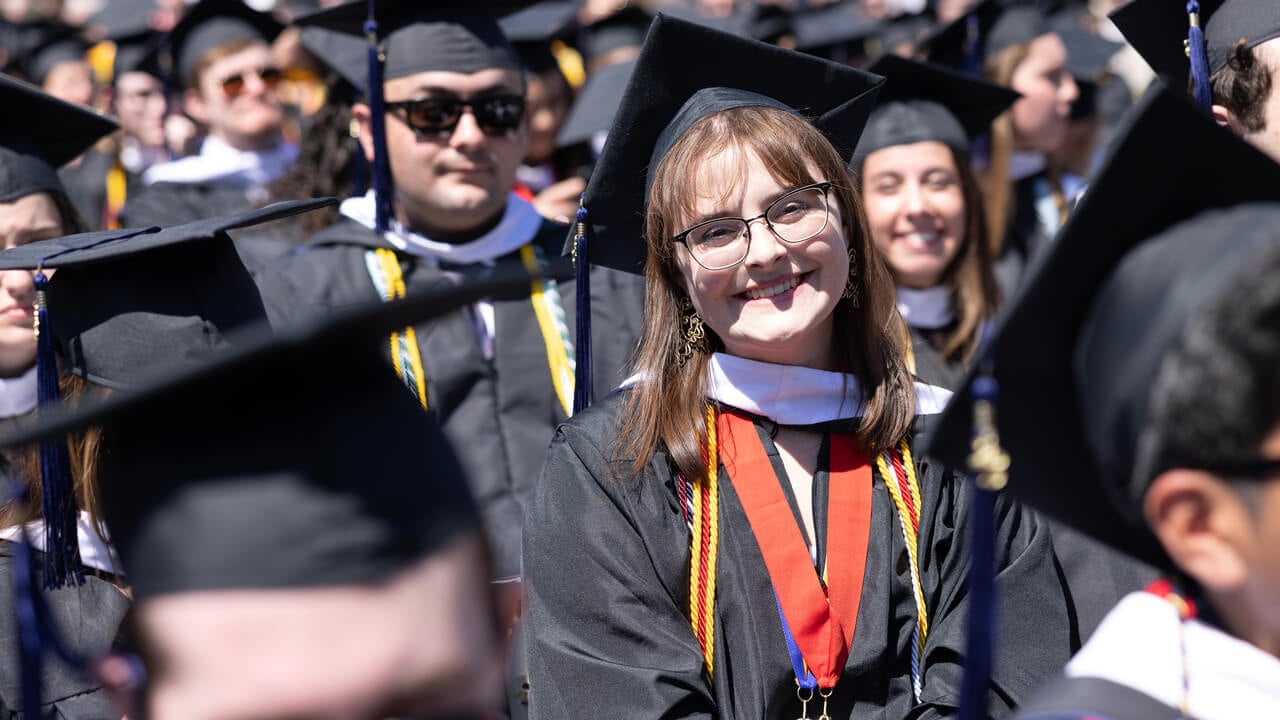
<point>234,85</point>
<point>496,115</point>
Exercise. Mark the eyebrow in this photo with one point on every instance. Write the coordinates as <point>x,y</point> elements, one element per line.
<point>770,200</point>
<point>494,89</point>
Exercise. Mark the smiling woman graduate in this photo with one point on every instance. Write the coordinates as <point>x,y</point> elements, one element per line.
<point>745,531</point>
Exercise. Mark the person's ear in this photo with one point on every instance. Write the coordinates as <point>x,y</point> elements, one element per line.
<point>1227,119</point>
<point>360,113</point>
<point>1203,525</point>
<point>195,107</point>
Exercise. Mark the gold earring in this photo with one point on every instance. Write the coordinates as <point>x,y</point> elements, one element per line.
<point>695,333</point>
<point>851,284</point>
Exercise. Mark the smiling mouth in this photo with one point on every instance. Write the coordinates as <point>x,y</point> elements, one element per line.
<point>760,293</point>
<point>922,239</point>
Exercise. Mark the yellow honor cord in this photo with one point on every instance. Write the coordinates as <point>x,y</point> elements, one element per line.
<point>117,188</point>
<point>909,523</point>
<point>562,375</point>
<point>402,347</point>
<point>705,549</point>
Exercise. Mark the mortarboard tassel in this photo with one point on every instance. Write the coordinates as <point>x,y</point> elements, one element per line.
<point>1199,56</point>
<point>380,172</point>
<point>989,465</point>
<point>582,274</point>
<point>972,41</point>
<point>58,501</point>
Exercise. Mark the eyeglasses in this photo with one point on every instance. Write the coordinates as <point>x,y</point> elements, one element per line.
<point>234,85</point>
<point>724,242</point>
<point>495,115</point>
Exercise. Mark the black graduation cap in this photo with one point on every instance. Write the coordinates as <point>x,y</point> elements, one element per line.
<point>593,111</point>
<point>684,72</point>
<point>532,30</point>
<point>1075,357</point>
<point>986,29</point>
<point>831,31</point>
<point>121,18</point>
<point>1162,33</point>
<point>210,24</point>
<point>345,56</point>
<point>132,54</point>
<point>44,134</point>
<point>906,29</point>
<point>61,43</point>
<point>224,476</point>
<point>923,102</point>
<point>625,28</point>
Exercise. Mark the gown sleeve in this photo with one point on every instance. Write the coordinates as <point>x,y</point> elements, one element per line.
<point>1035,636</point>
<point>606,638</point>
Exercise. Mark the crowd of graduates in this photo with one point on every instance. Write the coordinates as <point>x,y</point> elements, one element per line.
<point>657,358</point>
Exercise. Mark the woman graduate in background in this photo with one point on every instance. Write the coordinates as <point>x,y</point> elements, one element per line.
<point>744,531</point>
<point>924,208</point>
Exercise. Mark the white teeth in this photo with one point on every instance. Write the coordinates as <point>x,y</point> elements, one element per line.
<point>772,290</point>
<point>922,238</point>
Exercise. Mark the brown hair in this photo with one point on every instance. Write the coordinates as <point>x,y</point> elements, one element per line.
<point>997,189</point>
<point>1243,86</point>
<point>214,55</point>
<point>84,449</point>
<point>667,408</point>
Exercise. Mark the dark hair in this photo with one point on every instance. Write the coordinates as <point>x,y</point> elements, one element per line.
<point>325,166</point>
<point>1217,394</point>
<point>1243,87</point>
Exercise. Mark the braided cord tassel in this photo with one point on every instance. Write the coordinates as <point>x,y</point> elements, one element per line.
<point>1198,54</point>
<point>704,549</point>
<point>57,491</point>
<point>582,291</point>
<point>904,489</point>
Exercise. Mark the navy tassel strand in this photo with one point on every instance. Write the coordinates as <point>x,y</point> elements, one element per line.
<point>58,500</point>
<point>380,172</point>
<point>582,352</point>
<point>1199,56</point>
<point>972,45</point>
<point>30,650</point>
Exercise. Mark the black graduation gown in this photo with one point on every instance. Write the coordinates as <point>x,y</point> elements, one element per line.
<point>607,575</point>
<point>88,618</point>
<point>86,186</point>
<point>1025,238</point>
<point>499,414</point>
<point>932,367</point>
<point>1091,698</point>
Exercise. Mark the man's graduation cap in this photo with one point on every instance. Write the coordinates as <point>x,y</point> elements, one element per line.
<point>208,25</point>
<point>986,29</point>
<point>1076,356</point>
<point>1193,40</point>
<point>44,134</point>
<point>922,102</point>
<point>123,306</point>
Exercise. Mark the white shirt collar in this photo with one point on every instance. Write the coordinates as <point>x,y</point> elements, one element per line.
<point>1137,646</point>
<point>928,309</point>
<point>520,222</point>
<point>1025,163</point>
<point>219,162</point>
<point>18,395</point>
<point>94,551</point>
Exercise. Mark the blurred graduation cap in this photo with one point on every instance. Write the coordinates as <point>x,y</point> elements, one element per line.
<point>132,54</point>
<point>1088,55</point>
<point>57,44</point>
<point>904,33</point>
<point>986,29</point>
<point>922,102</point>
<point>840,32</point>
<point>766,23</point>
<point>532,30</point>
<point>344,57</point>
<point>123,306</point>
<point>1076,356</point>
<point>127,24</point>
<point>44,135</point>
<point>625,28</point>
<point>1179,49</point>
<point>593,111</point>
<point>208,25</point>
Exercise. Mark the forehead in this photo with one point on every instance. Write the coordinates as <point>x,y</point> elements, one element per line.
<point>439,82</point>
<point>1047,50</point>
<point>897,158</point>
<point>254,55</point>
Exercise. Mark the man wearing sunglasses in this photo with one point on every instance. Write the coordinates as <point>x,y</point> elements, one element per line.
<point>223,66</point>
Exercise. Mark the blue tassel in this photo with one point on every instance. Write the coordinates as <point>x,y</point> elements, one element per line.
<point>1198,53</point>
<point>972,45</point>
<point>582,352</point>
<point>36,632</point>
<point>58,500</point>
<point>380,173</point>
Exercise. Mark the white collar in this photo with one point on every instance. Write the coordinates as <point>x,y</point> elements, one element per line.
<point>796,395</point>
<point>94,552</point>
<point>928,309</point>
<point>520,222</point>
<point>1025,163</point>
<point>136,157</point>
<point>1137,646</point>
<point>221,163</point>
<point>18,395</point>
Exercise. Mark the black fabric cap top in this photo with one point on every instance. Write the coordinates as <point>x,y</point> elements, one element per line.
<point>453,36</point>
<point>625,28</point>
<point>121,18</point>
<point>1001,24</point>
<point>346,57</point>
<point>207,26</point>
<point>532,30</point>
<point>596,105</point>
<point>686,71</point>
<point>923,102</point>
<point>1076,355</point>
<point>45,134</point>
<point>280,463</point>
<point>836,24</point>
<point>1087,53</point>
<point>133,54</point>
<point>66,46</point>
<point>124,303</point>
<point>1157,29</point>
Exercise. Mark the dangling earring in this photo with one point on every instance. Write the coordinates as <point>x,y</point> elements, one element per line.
<point>851,284</point>
<point>695,334</point>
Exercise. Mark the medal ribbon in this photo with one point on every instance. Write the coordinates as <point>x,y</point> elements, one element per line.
<point>821,621</point>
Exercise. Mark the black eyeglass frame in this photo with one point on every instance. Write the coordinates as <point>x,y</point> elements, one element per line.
<point>825,187</point>
<point>401,109</point>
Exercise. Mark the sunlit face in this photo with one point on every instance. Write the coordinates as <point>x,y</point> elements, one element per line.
<point>450,182</point>
<point>140,106</point>
<point>28,219</point>
<point>248,120</point>
<point>776,305</point>
<point>915,209</point>
<point>71,80</point>
<point>1040,117</point>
